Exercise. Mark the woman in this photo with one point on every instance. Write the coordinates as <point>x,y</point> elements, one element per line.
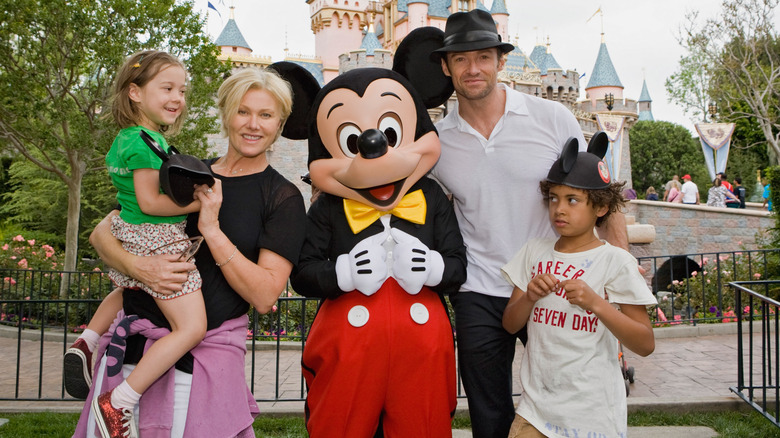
<point>675,192</point>
<point>253,223</point>
<point>716,196</point>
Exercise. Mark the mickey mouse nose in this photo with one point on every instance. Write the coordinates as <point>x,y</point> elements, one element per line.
<point>372,143</point>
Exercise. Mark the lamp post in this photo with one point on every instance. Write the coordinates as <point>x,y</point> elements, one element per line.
<point>609,99</point>
<point>713,109</point>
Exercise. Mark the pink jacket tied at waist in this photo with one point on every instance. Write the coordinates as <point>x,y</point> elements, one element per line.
<point>216,408</point>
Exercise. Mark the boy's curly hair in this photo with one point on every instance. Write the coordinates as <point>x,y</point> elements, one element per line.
<point>611,197</point>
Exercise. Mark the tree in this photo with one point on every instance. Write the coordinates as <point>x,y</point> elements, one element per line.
<point>689,86</point>
<point>58,59</point>
<point>660,150</point>
<point>742,56</point>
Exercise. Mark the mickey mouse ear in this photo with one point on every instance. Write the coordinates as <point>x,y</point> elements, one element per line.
<point>599,144</point>
<point>412,61</point>
<point>305,88</point>
<point>569,155</point>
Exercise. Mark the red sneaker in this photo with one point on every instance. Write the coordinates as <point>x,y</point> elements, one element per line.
<point>77,370</point>
<point>113,422</point>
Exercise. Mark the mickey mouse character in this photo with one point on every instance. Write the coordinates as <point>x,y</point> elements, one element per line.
<point>382,248</point>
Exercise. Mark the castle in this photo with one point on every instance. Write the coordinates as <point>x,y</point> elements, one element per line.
<point>365,33</point>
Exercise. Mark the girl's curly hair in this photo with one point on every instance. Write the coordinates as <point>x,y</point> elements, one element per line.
<point>610,197</point>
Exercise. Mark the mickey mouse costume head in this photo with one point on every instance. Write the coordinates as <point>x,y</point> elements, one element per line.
<point>382,247</point>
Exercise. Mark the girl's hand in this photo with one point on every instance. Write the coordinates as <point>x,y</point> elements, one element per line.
<point>541,286</point>
<point>580,294</point>
<point>210,202</point>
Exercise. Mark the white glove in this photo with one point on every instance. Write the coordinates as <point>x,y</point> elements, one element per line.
<point>414,265</point>
<point>365,267</point>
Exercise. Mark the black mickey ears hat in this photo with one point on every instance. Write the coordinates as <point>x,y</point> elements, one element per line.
<point>582,170</point>
<point>179,173</point>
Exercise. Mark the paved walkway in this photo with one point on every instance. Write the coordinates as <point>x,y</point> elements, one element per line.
<point>691,368</point>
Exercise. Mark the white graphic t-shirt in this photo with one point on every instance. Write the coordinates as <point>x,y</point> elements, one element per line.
<point>571,380</point>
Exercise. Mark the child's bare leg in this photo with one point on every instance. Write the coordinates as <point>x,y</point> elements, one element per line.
<point>187,317</point>
<point>106,312</point>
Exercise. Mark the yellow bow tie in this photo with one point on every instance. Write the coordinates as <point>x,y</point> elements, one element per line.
<point>412,208</point>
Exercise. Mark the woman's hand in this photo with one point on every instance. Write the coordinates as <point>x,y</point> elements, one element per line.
<point>210,202</point>
<point>164,273</point>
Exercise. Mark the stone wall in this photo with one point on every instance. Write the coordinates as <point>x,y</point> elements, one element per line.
<point>688,229</point>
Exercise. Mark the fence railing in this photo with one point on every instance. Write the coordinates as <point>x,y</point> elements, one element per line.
<point>38,321</point>
<point>758,361</point>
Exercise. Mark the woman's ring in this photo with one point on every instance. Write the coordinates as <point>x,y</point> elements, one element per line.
<point>209,190</point>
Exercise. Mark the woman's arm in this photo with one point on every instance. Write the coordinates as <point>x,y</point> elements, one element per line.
<point>261,283</point>
<point>147,192</point>
<point>163,273</point>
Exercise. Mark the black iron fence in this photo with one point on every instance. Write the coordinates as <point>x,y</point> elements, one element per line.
<point>41,313</point>
<point>758,361</point>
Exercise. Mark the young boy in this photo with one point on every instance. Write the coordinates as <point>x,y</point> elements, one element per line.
<point>565,292</point>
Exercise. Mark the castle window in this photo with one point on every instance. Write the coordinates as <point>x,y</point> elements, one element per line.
<point>463,5</point>
<point>235,49</point>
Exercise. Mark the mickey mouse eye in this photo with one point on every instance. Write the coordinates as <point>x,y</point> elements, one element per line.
<point>390,125</point>
<point>348,139</point>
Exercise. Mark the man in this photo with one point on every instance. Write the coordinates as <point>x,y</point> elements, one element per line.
<point>668,186</point>
<point>497,144</point>
<point>690,191</point>
<point>767,195</point>
<point>739,191</point>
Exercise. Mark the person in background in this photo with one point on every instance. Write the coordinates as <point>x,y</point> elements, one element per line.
<point>716,196</point>
<point>651,194</point>
<point>767,195</point>
<point>675,192</point>
<point>690,192</point>
<point>668,186</point>
<point>739,192</point>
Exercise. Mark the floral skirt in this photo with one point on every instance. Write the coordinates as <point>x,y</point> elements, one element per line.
<point>146,239</point>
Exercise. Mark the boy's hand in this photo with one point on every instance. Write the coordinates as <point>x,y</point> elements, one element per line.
<point>580,294</point>
<point>541,286</point>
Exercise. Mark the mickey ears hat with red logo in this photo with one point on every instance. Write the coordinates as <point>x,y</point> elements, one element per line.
<point>582,170</point>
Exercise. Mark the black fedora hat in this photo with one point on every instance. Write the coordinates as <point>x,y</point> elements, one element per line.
<point>473,30</point>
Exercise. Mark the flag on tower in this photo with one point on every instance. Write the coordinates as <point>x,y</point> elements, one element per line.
<point>211,6</point>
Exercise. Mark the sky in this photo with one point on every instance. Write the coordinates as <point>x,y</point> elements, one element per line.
<point>641,36</point>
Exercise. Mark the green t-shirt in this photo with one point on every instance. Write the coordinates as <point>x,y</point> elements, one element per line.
<point>127,153</point>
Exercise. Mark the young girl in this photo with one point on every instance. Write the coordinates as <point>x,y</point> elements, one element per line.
<point>149,95</point>
<point>566,291</point>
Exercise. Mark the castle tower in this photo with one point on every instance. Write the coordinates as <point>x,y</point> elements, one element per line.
<point>337,27</point>
<point>604,78</point>
<point>501,16</point>
<point>645,104</point>
<point>370,54</point>
<point>234,47</point>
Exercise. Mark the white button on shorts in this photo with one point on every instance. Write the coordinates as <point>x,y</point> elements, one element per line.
<point>419,313</point>
<point>358,316</point>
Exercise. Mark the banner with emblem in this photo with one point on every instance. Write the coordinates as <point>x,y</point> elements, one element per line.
<point>715,143</point>
<point>612,125</point>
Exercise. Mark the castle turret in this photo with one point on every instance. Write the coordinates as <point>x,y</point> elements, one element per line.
<point>645,104</point>
<point>234,47</point>
<point>337,28</point>
<point>370,54</point>
<point>604,79</point>
<point>501,16</point>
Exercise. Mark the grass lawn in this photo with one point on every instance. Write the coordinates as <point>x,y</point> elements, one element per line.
<point>727,424</point>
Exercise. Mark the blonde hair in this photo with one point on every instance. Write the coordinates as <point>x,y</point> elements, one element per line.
<point>237,85</point>
<point>140,68</point>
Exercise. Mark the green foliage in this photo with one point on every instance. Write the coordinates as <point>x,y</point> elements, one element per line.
<point>58,59</point>
<point>660,150</point>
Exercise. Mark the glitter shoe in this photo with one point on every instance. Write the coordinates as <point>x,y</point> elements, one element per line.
<point>113,422</point>
<point>77,370</point>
